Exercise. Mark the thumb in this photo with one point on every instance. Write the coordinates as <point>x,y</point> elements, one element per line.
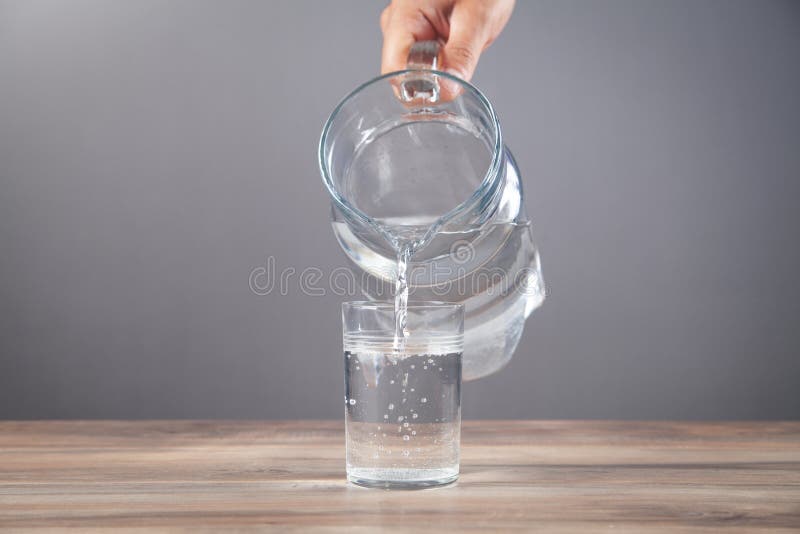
<point>465,43</point>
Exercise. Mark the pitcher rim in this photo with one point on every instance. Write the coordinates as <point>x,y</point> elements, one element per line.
<point>486,183</point>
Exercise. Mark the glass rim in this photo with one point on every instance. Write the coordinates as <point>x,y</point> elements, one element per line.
<point>491,172</point>
<point>411,305</point>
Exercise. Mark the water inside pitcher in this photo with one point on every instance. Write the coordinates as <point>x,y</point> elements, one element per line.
<point>425,195</point>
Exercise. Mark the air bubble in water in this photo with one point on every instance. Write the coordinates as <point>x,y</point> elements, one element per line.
<point>391,406</point>
<point>412,366</point>
<point>413,432</point>
<point>352,401</point>
<point>400,419</point>
<point>392,381</point>
<point>386,416</point>
<point>430,360</point>
<point>406,453</point>
<point>424,366</point>
<point>406,437</point>
<point>414,416</point>
<point>412,389</point>
<point>405,424</point>
<point>423,400</point>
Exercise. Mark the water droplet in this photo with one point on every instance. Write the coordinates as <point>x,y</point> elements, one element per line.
<point>405,424</point>
<point>392,381</point>
<point>386,416</point>
<point>430,360</point>
<point>412,389</point>
<point>442,395</point>
<point>406,437</point>
<point>412,366</point>
<point>440,368</point>
<point>357,368</point>
<point>379,427</point>
<point>404,400</point>
<point>406,453</point>
<point>391,406</point>
<point>413,432</point>
<point>352,402</point>
<point>400,419</point>
<point>423,400</point>
<point>348,355</point>
<point>414,416</point>
<point>424,366</point>
<point>384,434</point>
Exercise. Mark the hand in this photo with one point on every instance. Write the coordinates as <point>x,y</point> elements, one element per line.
<point>466,27</point>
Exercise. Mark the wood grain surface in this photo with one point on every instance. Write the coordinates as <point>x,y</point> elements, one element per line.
<point>561,476</point>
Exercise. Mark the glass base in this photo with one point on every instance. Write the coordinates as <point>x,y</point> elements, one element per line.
<point>401,479</point>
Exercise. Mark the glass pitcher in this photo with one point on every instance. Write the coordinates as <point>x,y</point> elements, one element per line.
<point>416,168</point>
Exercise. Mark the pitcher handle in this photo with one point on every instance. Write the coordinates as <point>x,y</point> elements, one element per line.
<point>421,85</point>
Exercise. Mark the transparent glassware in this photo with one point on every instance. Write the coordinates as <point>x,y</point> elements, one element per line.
<point>416,158</point>
<point>403,408</point>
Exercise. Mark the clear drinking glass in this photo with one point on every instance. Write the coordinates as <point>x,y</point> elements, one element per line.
<point>402,403</point>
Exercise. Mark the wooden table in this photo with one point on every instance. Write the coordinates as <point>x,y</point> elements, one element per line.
<point>289,476</point>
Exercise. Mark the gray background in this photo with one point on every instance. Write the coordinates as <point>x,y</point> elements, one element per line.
<point>153,153</point>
